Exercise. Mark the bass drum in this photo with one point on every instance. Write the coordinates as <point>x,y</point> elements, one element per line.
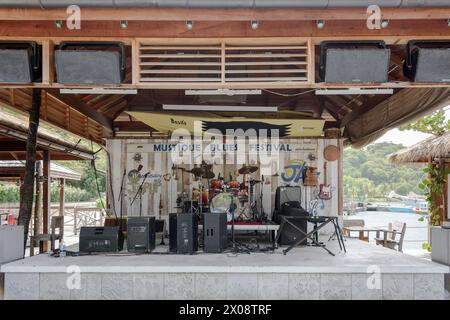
<point>223,202</point>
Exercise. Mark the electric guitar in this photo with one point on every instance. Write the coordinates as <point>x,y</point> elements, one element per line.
<point>325,189</point>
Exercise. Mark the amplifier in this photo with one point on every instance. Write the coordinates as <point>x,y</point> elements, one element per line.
<point>215,232</point>
<point>100,239</point>
<point>141,234</point>
<point>183,233</point>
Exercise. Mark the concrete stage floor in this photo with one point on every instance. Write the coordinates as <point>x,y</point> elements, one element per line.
<point>360,255</point>
<point>304,273</point>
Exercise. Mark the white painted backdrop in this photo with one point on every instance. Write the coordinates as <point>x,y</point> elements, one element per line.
<point>122,153</point>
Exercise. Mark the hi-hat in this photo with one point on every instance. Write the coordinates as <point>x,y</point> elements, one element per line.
<point>248,169</point>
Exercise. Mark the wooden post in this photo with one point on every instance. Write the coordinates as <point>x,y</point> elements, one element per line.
<point>45,199</point>
<point>62,200</point>
<point>37,202</point>
<point>26,202</point>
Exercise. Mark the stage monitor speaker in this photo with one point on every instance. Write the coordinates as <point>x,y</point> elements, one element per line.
<point>100,239</point>
<point>19,62</point>
<point>289,235</point>
<point>141,234</point>
<point>183,233</point>
<point>431,65</point>
<point>354,62</point>
<point>215,232</point>
<point>81,66</point>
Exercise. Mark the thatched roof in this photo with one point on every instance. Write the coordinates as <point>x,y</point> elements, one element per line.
<point>434,147</point>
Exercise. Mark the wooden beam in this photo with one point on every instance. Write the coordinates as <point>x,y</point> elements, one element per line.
<point>398,32</point>
<point>82,107</point>
<point>26,200</point>
<point>221,14</point>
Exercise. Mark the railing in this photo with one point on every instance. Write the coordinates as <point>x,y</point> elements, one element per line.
<point>76,215</point>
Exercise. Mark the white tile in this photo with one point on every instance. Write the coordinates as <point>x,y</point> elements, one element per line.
<point>179,286</point>
<point>211,286</point>
<point>21,286</point>
<point>334,286</point>
<point>398,286</point>
<point>53,286</point>
<point>273,286</point>
<point>304,286</point>
<point>148,286</point>
<point>367,286</point>
<point>93,286</point>
<point>242,286</point>
<point>428,286</point>
<point>117,286</point>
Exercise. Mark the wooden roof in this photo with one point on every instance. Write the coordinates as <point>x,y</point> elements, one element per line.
<point>96,116</point>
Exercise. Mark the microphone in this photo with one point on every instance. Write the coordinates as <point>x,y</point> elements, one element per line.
<point>139,168</point>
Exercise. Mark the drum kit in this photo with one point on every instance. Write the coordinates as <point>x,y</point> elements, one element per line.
<point>237,200</point>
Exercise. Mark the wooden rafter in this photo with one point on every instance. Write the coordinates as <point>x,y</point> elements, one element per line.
<point>81,107</point>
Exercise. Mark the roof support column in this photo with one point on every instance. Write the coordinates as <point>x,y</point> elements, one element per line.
<point>43,246</point>
<point>26,201</point>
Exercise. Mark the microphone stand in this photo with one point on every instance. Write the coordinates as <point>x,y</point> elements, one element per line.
<point>121,198</point>
<point>140,193</point>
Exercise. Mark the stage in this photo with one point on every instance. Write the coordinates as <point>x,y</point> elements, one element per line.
<point>366,271</point>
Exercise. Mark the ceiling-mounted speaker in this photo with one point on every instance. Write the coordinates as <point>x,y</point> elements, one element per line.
<point>428,61</point>
<point>75,64</point>
<point>354,62</point>
<point>19,62</point>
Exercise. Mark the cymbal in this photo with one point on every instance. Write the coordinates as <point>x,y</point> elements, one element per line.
<point>247,169</point>
<point>202,172</point>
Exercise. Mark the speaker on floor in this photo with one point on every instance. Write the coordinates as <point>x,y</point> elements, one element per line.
<point>77,65</point>
<point>215,232</point>
<point>354,62</point>
<point>428,61</point>
<point>100,239</point>
<point>289,235</point>
<point>183,233</point>
<point>141,234</point>
<point>19,62</point>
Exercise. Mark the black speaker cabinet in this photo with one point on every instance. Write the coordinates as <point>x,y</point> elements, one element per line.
<point>354,62</point>
<point>289,235</point>
<point>428,64</point>
<point>141,234</point>
<point>81,66</point>
<point>100,239</point>
<point>183,233</point>
<point>19,62</point>
<point>215,232</point>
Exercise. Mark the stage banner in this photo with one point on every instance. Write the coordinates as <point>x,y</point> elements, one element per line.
<point>286,128</point>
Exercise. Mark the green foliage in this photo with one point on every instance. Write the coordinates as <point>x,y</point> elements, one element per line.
<point>434,186</point>
<point>369,176</point>
<point>435,124</point>
<point>9,193</point>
